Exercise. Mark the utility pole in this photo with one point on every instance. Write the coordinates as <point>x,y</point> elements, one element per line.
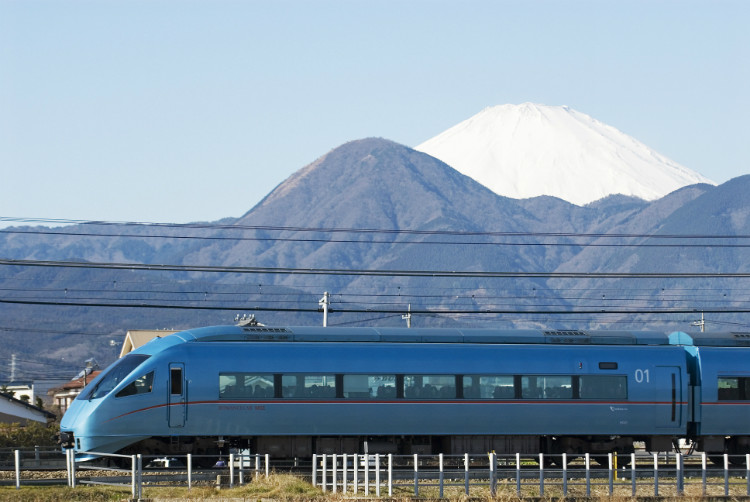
<point>407,317</point>
<point>13,368</point>
<point>701,323</point>
<point>324,302</point>
<point>91,365</point>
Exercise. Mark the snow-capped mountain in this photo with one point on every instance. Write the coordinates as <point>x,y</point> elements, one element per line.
<point>527,150</point>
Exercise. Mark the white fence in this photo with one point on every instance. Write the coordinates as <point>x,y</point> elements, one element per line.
<point>538,476</point>
<point>660,474</point>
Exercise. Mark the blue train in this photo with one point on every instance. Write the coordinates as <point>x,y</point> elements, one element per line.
<point>295,391</point>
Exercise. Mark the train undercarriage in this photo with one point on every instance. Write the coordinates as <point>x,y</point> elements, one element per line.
<point>207,449</point>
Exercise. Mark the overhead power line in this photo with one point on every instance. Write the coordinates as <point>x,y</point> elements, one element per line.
<point>424,295</point>
<point>44,331</point>
<point>359,231</point>
<point>327,240</point>
<point>370,272</point>
<point>352,310</point>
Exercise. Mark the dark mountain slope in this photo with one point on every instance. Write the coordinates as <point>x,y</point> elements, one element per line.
<point>376,184</point>
<point>725,210</point>
<point>610,254</point>
<point>699,211</point>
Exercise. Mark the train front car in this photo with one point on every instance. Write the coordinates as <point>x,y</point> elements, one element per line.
<point>122,406</point>
<point>292,392</point>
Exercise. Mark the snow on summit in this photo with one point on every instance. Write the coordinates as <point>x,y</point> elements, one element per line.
<point>526,150</point>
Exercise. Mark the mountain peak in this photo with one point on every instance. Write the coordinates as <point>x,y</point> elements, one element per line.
<point>371,179</point>
<point>527,150</point>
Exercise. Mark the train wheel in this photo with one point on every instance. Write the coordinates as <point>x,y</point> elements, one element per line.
<point>623,460</point>
<point>206,458</point>
<point>602,460</point>
<point>551,460</point>
<point>717,459</point>
<point>735,460</point>
<point>119,462</point>
<point>572,458</point>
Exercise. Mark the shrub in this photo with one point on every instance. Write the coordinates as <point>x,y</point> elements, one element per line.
<point>33,434</point>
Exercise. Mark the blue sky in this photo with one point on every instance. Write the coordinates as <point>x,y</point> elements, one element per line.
<point>178,111</point>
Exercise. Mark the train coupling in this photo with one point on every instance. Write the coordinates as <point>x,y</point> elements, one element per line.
<point>67,439</point>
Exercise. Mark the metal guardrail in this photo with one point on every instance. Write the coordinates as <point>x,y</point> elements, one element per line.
<point>238,466</point>
<point>37,456</point>
<point>532,476</point>
<point>237,469</point>
<point>134,470</point>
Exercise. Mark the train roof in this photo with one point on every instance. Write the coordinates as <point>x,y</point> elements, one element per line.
<point>252,334</point>
<point>424,335</point>
<point>717,339</point>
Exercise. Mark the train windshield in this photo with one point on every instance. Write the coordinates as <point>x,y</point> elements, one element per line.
<point>113,376</point>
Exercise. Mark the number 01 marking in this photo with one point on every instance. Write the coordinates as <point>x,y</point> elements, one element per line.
<point>641,376</point>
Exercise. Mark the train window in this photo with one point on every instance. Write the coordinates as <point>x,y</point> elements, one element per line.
<point>429,387</point>
<point>112,376</point>
<point>734,388</point>
<point>142,385</point>
<point>547,387</point>
<point>603,387</point>
<point>175,376</point>
<point>308,386</point>
<point>245,386</point>
<point>370,386</point>
<point>489,387</point>
<point>729,389</point>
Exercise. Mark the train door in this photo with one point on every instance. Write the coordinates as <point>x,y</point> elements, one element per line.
<point>177,400</point>
<point>669,389</point>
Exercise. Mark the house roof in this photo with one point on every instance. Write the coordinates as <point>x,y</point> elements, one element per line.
<point>73,385</point>
<point>138,337</point>
<point>14,410</point>
<point>78,383</point>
